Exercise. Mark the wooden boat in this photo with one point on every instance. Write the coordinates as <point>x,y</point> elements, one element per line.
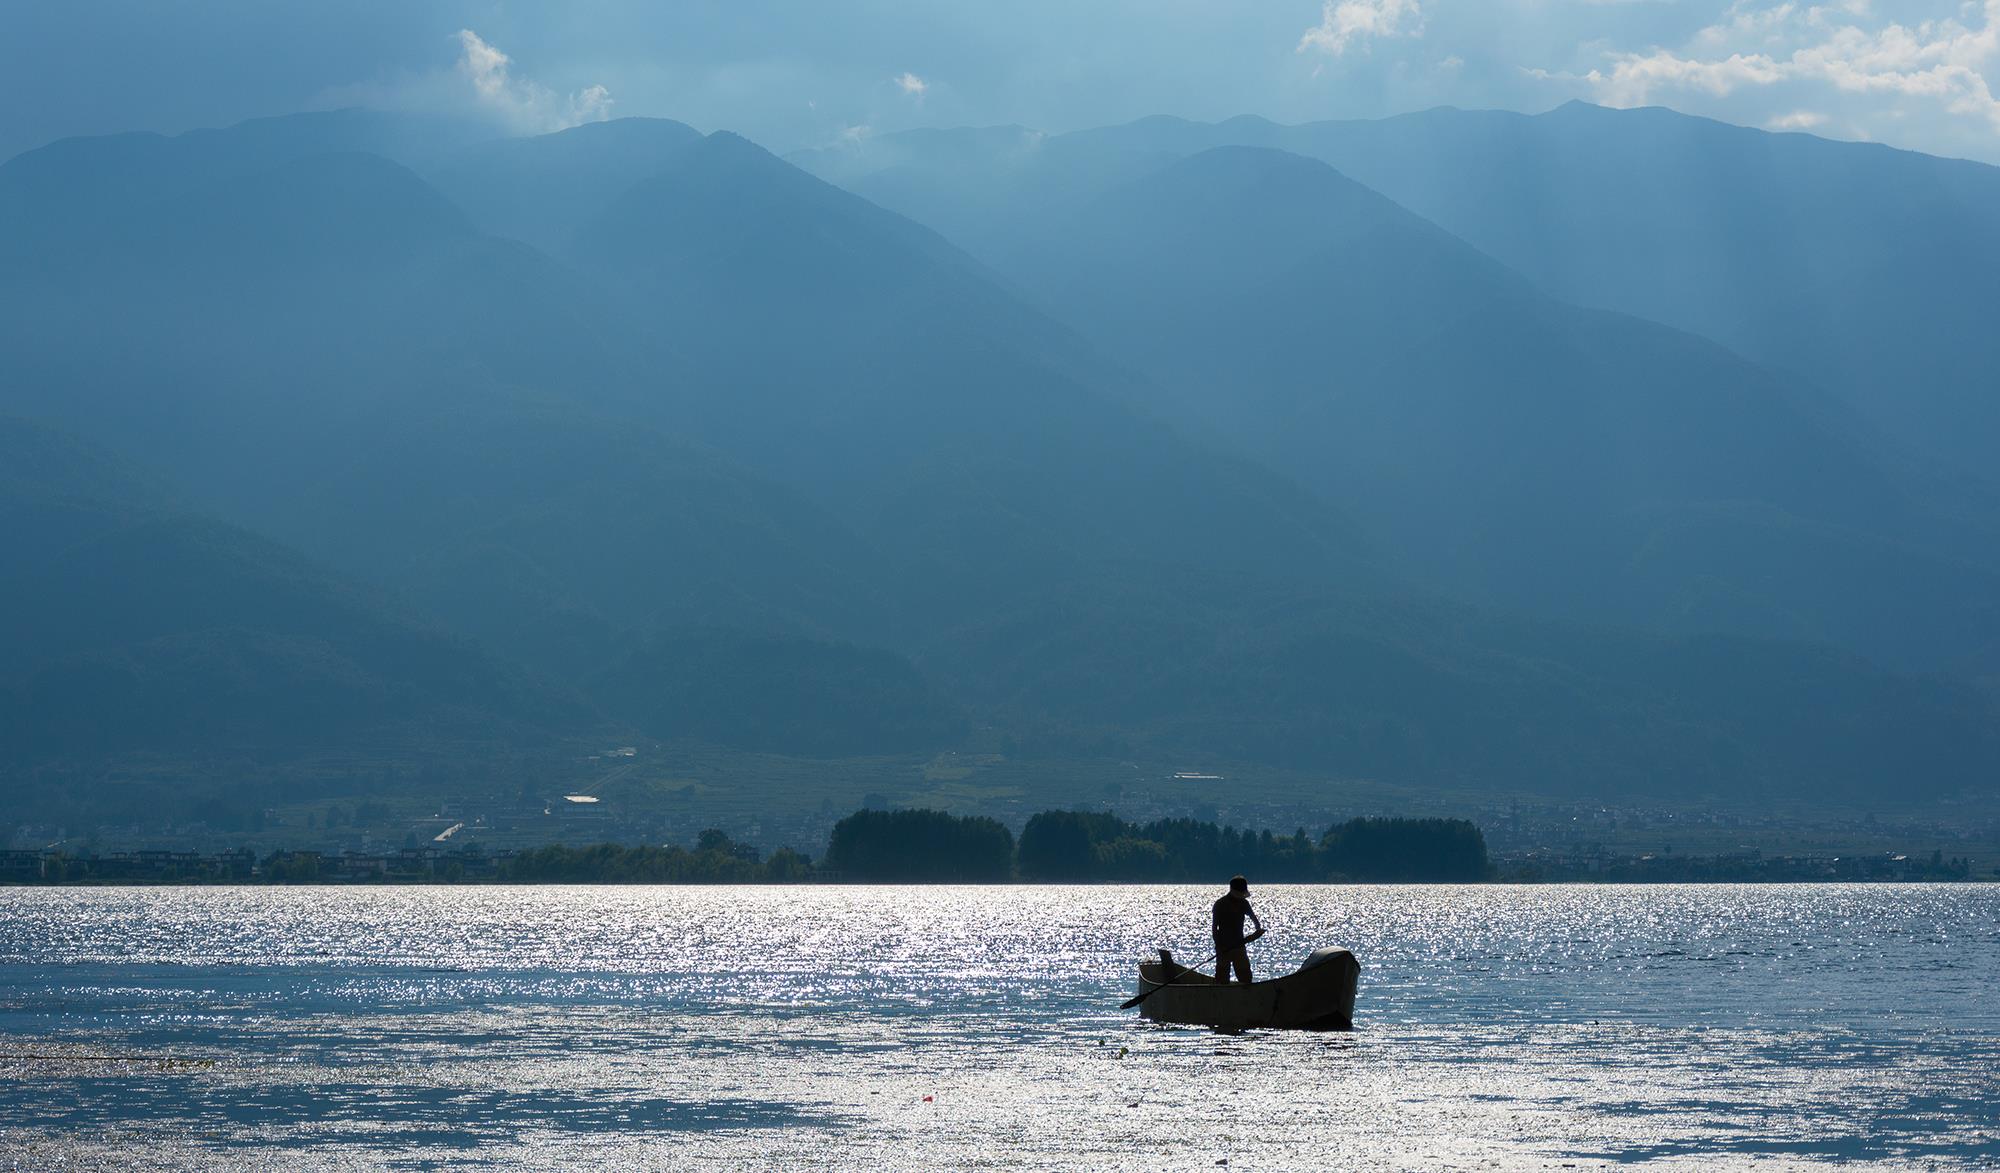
<point>1320,996</point>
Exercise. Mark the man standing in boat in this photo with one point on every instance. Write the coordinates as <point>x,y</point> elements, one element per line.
<point>1230,943</point>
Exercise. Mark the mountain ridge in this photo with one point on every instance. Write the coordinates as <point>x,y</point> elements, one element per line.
<point>742,399</point>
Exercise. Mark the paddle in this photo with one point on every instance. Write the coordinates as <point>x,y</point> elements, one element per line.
<point>1131,1002</point>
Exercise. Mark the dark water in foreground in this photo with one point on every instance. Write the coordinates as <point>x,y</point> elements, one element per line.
<point>1538,1027</point>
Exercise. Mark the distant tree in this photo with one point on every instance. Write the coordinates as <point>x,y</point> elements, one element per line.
<point>291,867</point>
<point>1130,859</point>
<point>1061,845</point>
<point>719,843</point>
<point>715,860</point>
<point>921,846</point>
<point>1407,850</point>
<point>787,867</point>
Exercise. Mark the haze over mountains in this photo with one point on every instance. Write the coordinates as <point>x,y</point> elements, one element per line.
<point>1864,268</point>
<point>1330,447</point>
<point>134,627</point>
<point>1799,495</point>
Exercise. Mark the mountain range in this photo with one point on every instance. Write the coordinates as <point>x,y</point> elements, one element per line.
<point>1159,440</point>
<point>1577,459</point>
<point>1858,266</point>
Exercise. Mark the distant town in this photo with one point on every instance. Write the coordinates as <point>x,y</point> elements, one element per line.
<point>714,857</point>
<point>468,828</point>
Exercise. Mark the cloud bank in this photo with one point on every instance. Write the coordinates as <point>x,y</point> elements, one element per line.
<point>1916,73</point>
<point>1346,23</point>
<point>525,106</point>
<point>1837,49</point>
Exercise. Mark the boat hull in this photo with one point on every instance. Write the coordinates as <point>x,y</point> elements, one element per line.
<point>1318,997</point>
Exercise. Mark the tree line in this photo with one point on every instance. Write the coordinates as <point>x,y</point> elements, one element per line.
<point>714,859</point>
<point>934,847</point>
<point>870,846</point>
<point>1089,846</point>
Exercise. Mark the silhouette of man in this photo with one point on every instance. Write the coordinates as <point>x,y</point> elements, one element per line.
<point>1227,926</point>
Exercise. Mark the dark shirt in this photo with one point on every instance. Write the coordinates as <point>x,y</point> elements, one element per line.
<point>1228,921</point>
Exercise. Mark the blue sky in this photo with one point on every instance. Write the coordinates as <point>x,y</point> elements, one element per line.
<point>1916,73</point>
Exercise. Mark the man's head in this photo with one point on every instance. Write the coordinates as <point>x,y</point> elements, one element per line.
<point>1238,886</point>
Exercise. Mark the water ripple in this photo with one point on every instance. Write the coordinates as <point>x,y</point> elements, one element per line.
<point>1511,1027</point>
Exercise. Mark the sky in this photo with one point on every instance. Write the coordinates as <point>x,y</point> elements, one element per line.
<point>1920,74</point>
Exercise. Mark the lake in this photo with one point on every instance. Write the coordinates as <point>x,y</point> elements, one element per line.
<point>942,1028</point>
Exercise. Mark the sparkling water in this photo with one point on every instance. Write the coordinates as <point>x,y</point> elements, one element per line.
<point>944,1028</point>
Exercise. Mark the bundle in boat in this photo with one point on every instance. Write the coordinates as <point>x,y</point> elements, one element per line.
<point>1320,996</point>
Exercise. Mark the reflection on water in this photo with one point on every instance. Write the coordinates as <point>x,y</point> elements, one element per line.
<point>1497,1026</point>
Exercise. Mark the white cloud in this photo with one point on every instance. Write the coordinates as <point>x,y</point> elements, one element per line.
<point>914,86</point>
<point>1344,23</point>
<point>1635,77</point>
<point>526,106</point>
<point>1943,61</point>
<point>1745,23</point>
<point>1796,120</point>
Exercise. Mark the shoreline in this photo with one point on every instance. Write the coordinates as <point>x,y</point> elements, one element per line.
<point>1496,882</point>
<point>924,848</point>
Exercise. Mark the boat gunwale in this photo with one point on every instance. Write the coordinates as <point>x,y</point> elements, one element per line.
<point>1226,1006</point>
<point>1212,984</point>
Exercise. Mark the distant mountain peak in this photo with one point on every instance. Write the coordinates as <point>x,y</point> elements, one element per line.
<point>627,125</point>
<point>727,208</point>
<point>1164,120</point>
<point>1262,159</point>
<point>727,143</point>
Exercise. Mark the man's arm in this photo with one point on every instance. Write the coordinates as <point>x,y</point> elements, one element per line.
<point>1257,926</point>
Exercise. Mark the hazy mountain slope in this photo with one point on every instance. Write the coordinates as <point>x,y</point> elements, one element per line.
<point>841,348</point>
<point>560,535</point>
<point>1918,602</point>
<point>775,694</point>
<point>737,253</point>
<point>73,187</point>
<point>1863,268</point>
<point>1516,449</point>
<point>235,331</point>
<point>749,401</point>
<point>982,187</point>
<point>1410,689</point>
<point>329,351</point>
<point>359,309</point>
<point>540,188</point>
<point>267,330</point>
<point>41,464</point>
<point>128,629</point>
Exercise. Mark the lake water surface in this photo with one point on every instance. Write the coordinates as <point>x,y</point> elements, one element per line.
<point>944,1028</point>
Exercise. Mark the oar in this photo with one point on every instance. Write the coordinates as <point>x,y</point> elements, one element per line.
<point>1131,1002</point>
